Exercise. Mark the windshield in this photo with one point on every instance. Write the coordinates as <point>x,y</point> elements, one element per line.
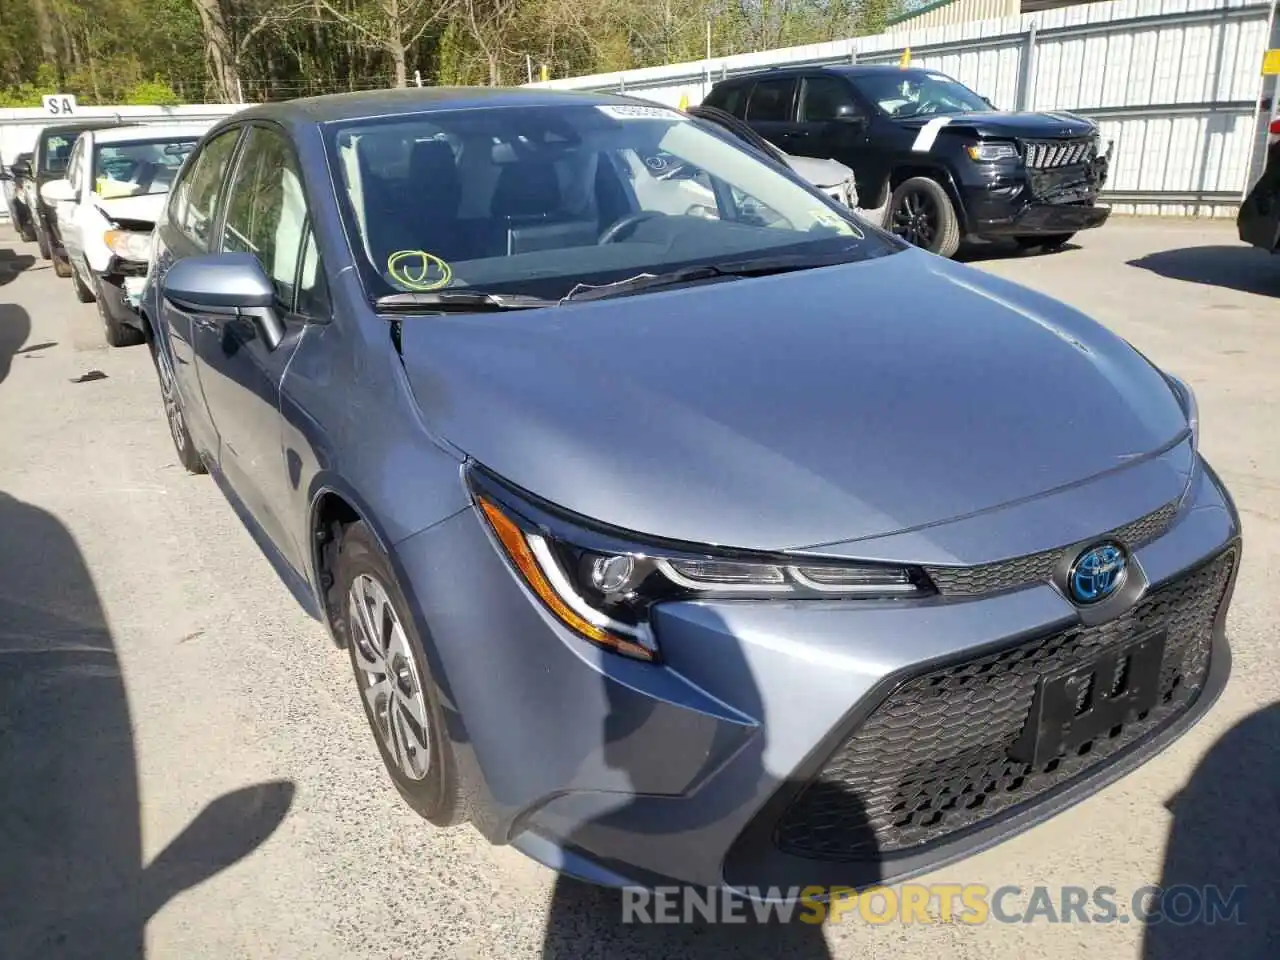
<point>136,168</point>
<point>537,200</point>
<point>918,93</point>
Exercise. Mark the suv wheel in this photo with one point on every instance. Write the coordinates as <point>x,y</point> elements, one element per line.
<point>370,617</point>
<point>118,334</point>
<point>921,213</point>
<point>83,293</point>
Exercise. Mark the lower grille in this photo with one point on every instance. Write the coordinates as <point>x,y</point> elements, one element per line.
<point>946,750</point>
<point>1051,154</point>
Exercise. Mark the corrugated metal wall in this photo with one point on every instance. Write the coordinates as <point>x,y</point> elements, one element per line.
<point>1175,83</point>
<point>959,11</point>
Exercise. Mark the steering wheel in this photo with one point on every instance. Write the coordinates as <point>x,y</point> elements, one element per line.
<point>625,224</point>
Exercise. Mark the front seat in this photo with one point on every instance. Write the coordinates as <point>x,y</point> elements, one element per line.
<point>423,213</point>
<point>529,212</point>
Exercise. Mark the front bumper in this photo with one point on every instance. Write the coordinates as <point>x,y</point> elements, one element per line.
<point>1009,200</point>
<point>622,772</point>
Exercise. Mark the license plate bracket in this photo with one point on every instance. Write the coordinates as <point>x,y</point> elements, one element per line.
<point>1075,706</point>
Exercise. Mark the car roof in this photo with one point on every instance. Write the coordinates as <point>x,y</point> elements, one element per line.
<point>80,126</point>
<point>409,100</point>
<point>150,131</point>
<point>845,69</point>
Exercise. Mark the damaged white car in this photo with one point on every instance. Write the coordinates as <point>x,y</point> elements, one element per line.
<point>116,187</point>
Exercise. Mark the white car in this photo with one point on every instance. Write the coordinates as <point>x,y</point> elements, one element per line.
<point>116,186</point>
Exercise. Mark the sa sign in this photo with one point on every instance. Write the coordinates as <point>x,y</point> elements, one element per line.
<point>59,104</point>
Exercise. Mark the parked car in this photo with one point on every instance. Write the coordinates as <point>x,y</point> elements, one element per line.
<point>831,177</point>
<point>13,180</point>
<point>939,157</point>
<point>50,157</point>
<point>115,188</point>
<point>1258,221</point>
<point>747,554</point>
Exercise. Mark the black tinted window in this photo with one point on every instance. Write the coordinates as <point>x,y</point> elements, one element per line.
<point>822,98</point>
<point>195,200</point>
<point>56,153</point>
<point>728,98</point>
<point>266,212</point>
<point>771,100</point>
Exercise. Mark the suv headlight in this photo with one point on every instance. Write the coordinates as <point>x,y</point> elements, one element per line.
<point>989,150</point>
<point>603,584</point>
<point>129,245</point>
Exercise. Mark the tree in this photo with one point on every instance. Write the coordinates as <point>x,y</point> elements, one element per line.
<point>393,26</point>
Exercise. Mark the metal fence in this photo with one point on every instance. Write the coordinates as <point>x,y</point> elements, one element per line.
<point>1175,84</point>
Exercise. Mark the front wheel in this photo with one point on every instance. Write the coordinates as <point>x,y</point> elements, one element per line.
<point>118,333</point>
<point>370,616</point>
<point>921,213</point>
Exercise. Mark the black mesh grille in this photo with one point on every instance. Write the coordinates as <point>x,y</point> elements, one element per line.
<point>935,756</point>
<point>1038,567</point>
<point>1051,154</point>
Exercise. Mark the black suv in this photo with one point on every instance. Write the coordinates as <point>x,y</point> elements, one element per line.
<point>942,160</point>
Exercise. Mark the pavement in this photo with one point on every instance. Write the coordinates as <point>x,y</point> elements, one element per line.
<point>185,771</point>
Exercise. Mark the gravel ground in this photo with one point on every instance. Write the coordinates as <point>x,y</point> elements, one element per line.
<point>185,770</point>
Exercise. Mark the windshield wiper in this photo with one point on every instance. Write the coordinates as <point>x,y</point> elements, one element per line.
<point>463,300</point>
<point>758,267</point>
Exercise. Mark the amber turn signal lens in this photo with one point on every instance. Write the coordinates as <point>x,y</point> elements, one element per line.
<point>517,548</point>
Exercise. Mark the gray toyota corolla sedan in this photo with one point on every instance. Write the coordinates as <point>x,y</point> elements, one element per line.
<point>679,524</point>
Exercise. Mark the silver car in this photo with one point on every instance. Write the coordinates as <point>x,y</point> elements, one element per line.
<point>744,547</point>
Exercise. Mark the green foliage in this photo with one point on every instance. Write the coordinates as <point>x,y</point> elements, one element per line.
<point>160,51</point>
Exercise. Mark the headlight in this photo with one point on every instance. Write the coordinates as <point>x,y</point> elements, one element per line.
<point>1187,400</point>
<point>129,245</point>
<point>989,150</point>
<point>604,586</point>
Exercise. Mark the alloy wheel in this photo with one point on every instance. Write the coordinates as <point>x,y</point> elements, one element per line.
<point>172,407</point>
<point>389,678</point>
<point>916,218</point>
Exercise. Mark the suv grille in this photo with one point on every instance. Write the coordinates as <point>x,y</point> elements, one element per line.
<point>1038,567</point>
<point>937,755</point>
<point>1051,154</point>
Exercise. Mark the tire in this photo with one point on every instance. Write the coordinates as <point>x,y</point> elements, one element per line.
<point>42,241</point>
<point>118,334</point>
<point>921,213</point>
<point>62,268</point>
<point>25,230</point>
<point>188,456</point>
<point>84,293</point>
<point>432,790</point>
<point>1047,241</point>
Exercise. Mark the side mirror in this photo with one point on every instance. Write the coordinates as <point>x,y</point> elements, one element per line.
<point>226,285</point>
<point>58,191</point>
<point>20,170</point>
<point>847,113</point>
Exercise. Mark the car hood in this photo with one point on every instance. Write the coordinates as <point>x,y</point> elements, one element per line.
<point>1001,124</point>
<point>791,411</point>
<point>819,172</point>
<point>144,209</point>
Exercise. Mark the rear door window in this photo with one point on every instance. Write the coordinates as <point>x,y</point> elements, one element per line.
<point>200,185</point>
<point>771,100</point>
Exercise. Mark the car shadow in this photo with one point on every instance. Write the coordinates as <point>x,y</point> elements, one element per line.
<point>13,263</point>
<point>978,251</point>
<point>1242,268</point>
<point>1224,838</point>
<point>585,920</point>
<point>15,327</point>
<point>72,880</point>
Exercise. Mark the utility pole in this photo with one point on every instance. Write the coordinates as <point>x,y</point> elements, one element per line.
<point>528,66</point>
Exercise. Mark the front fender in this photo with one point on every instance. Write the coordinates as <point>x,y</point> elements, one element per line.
<point>93,225</point>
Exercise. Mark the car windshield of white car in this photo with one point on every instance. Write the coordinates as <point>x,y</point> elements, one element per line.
<point>917,93</point>
<point>536,200</point>
<point>138,167</point>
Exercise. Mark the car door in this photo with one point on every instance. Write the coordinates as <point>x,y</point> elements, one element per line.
<point>69,228</point>
<point>265,214</point>
<point>831,124</point>
<point>187,229</point>
<point>62,213</point>
<point>771,108</point>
